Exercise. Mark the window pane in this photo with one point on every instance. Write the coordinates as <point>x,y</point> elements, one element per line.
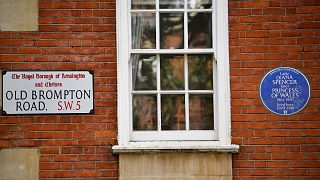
<point>144,112</point>
<point>143,4</point>
<point>200,30</point>
<point>171,30</point>
<point>144,72</point>
<point>172,112</point>
<point>199,4</point>
<point>201,112</point>
<point>143,29</point>
<point>171,4</point>
<point>200,72</point>
<point>171,72</point>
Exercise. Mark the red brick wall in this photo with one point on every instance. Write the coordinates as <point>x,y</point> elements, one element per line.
<point>266,34</point>
<point>79,34</point>
<point>73,35</point>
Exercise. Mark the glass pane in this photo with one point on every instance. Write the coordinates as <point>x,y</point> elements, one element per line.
<point>200,30</point>
<point>201,112</point>
<point>144,112</point>
<point>143,4</point>
<point>171,4</point>
<point>143,30</point>
<point>171,72</point>
<point>200,72</point>
<point>171,30</point>
<point>172,112</point>
<point>199,4</point>
<point>144,72</point>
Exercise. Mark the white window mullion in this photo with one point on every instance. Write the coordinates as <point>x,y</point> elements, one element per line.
<point>199,10</point>
<point>157,26</point>
<point>171,51</point>
<point>145,92</point>
<point>158,66</point>
<point>186,79</point>
<point>185,24</point>
<point>144,10</point>
<point>171,10</point>
<point>158,94</point>
<point>214,29</point>
<point>215,99</point>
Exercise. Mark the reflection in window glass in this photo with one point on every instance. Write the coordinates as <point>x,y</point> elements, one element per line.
<point>199,4</point>
<point>171,72</point>
<point>200,37</point>
<point>201,112</point>
<point>171,4</point>
<point>182,92</point>
<point>200,72</point>
<point>143,4</point>
<point>144,112</point>
<point>143,30</point>
<point>144,69</point>
<point>171,30</point>
<point>172,112</point>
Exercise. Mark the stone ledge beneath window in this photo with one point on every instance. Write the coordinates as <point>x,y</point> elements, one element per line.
<point>171,148</point>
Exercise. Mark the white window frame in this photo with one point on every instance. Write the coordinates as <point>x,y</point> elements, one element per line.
<point>222,140</point>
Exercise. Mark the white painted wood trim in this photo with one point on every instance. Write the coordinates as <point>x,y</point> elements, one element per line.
<point>222,87</point>
<point>177,147</point>
<point>122,11</point>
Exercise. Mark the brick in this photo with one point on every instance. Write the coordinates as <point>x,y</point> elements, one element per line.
<point>83,165</point>
<point>49,166</point>
<point>66,158</point>
<point>87,21</point>
<point>239,12</point>
<point>63,20</point>
<point>10,42</point>
<point>89,157</point>
<point>260,164</point>
<point>257,34</point>
<point>108,5</point>
<point>274,11</point>
<point>314,172</point>
<point>11,135</point>
<point>72,150</point>
<point>50,13</point>
<point>310,164</point>
<point>29,51</point>
<point>95,173</point>
<point>89,142</point>
<point>34,127</point>
<point>51,43</point>
<point>104,43</point>
<point>261,172</point>
<point>4,144</point>
<point>64,5</point>
<point>278,164</point>
<point>105,13</point>
<point>27,143</point>
<point>87,5</point>
<point>255,19</point>
<point>291,172</point>
<point>260,156</point>
<point>50,150</point>
<point>66,127</point>
<point>249,4</point>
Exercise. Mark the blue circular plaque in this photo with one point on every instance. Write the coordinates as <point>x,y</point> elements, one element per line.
<point>284,91</point>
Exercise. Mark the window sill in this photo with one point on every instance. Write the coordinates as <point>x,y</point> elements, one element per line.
<point>174,147</point>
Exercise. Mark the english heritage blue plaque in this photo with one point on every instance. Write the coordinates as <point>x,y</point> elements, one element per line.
<point>284,91</point>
